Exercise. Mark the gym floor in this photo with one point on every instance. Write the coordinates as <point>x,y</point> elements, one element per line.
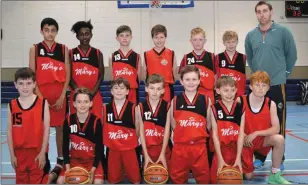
<point>296,163</point>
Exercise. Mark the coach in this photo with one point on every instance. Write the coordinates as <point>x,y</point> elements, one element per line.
<point>271,47</point>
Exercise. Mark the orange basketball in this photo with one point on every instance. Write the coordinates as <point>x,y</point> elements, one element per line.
<point>230,175</point>
<point>156,174</point>
<point>77,175</point>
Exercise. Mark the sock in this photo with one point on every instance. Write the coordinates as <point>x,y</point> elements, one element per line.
<point>61,158</point>
<point>275,170</point>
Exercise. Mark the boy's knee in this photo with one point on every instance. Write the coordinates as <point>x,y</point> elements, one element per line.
<point>279,139</point>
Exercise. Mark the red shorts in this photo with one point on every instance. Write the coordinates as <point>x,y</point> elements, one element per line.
<point>229,155</point>
<point>133,96</point>
<point>27,170</point>
<point>169,92</point>
<point>86,164</point>
<point>154,153</point>
<point>186,157</point>
<point>207,92</point>
<point>123,162</point>
<point>97,107</point>
<point>247,153</point>
<point>52,92</point>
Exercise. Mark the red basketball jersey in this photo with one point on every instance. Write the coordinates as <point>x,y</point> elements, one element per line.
<point>85,67</point>
<point>119,129</point>
<point>154,122</point>
<point>27,124</point>
<point>190,119</point>
<point>235,68</point>
<point>160,63</point>
<point>257,121</point>
<point>126,66</point>
<point>228,123</point>
<point>82,137</point>
<point>50,63</point>
<point>205,63</point>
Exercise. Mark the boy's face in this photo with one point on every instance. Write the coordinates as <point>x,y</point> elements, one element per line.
<point>259,89</point>
<point>124,38</point>
<point>190,81</point>
<point>82,103</point>
<point>198,41</point>
<point>49,32</point>
<point>227,92</point>
<point>25,87</point>
<point>231,45</point>
<point>155,90</point>
<point>119,92</point>
<point>84,36</point>
<point>159,40</point>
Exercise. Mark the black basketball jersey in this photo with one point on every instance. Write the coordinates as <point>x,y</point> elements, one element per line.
<point>198,105</point>
<point>236,64</point>
<point>57,51</point>
<point>91,57</point>
<point>159,117</point>
<point>206,59</point>
<point>85,139</point>
<point>221,112</point>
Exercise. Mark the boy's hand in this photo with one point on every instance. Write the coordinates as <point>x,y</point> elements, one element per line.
<point>221,164</point>
<point>162,159</point>
<point>59,103</point>
<point>147,160</point>
<point>41,160</point>
<point>14,161</point>
<point>238,163</point>
<point>249,139</point>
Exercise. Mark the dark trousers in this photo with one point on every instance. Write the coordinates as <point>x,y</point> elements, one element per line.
<point>277,93</point>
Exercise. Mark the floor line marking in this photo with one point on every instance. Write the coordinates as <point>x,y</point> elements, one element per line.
<point>295,136</point>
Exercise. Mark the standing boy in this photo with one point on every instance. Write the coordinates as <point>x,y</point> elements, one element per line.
<point>161,60</point>
<point>203,60</point>
<point>28,131</point>
<point>87,67</point>
<point>232,63</point>
<point>120,135</point>
<point>126,63</point>
<point>50,61</point>
<point>189,113</point>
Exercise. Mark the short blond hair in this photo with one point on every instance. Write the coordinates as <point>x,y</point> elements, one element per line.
<point>224,81</point>
<point>197,31</point>
<point>229,35</point>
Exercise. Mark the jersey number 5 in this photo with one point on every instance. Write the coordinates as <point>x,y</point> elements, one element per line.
<point>220,114</point>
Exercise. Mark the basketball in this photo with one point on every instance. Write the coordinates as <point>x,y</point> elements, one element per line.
<point>77,175</point>
<point>156,174</point>
<point>230,175</point>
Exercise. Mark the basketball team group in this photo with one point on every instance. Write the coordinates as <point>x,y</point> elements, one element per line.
<point>213,125</point>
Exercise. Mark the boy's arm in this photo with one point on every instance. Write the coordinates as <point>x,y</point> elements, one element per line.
<point>32,66</point>
<point>215,137</point>
<point>10,138</point>
<point>175,65</point>
<point>72,83</point>
<point>182,64</point>
<point>141,129</point>
<point>101,75</point>
<point>41,156</point>
<point>166,134</point>
<point>240,141</point>
<point>98,144</point>
<point>67,71</point>
<point>138,120</point>
<point>144,71</point>
<point>139,65</point>
<point>208,113</point>
<point>66,142</point>
<point>110,66</point>
<point>172,120</point>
